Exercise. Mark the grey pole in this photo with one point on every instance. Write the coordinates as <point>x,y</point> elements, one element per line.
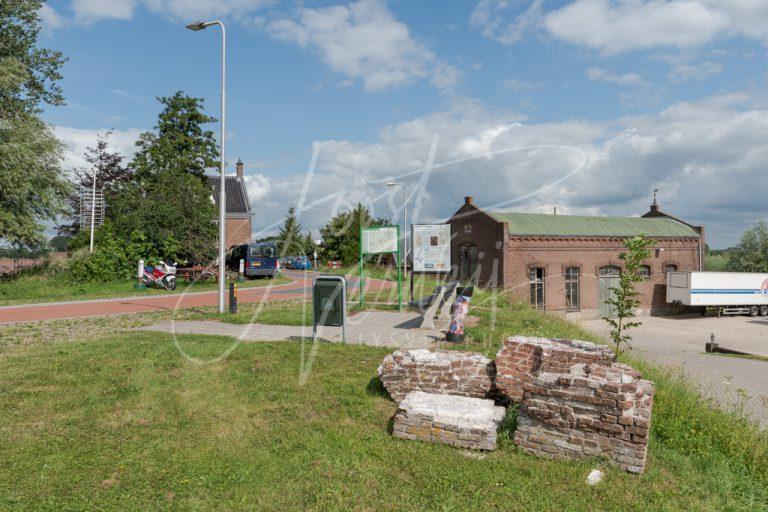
<point>222,180</point>
<point>405,228</point>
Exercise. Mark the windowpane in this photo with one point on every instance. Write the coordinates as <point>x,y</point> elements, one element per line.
<point>572,288</point>
<point>670,268</point>
<point>536,278</point>
<point>644,271</point>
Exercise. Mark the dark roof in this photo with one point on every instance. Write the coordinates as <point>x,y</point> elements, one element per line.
<point>237,195</point>
<point>577,225</point>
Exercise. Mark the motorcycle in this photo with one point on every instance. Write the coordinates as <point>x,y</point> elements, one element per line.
<point>162,275</point>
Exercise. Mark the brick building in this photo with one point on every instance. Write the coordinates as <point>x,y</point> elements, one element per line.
<point>239,215</point>
<point>568,263</point>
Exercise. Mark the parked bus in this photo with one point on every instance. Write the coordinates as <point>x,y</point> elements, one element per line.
<point>260,259</point>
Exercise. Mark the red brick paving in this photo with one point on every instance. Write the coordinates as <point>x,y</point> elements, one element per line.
<point>101,307</point>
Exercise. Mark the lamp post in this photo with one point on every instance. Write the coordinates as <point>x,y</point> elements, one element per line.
<point>222,182</point>
<point>405,227</point>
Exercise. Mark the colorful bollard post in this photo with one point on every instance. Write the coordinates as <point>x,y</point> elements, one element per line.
<point>139,284</point>
<point>241,272</point>
<point>233,297</point>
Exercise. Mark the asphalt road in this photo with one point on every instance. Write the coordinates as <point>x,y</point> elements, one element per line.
<point>299,287</point>
<point>679,342</point>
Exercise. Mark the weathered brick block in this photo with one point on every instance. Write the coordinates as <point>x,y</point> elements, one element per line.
<point>446,372</point>
<point>521,358</point>
<point>459,421</point>
<point>590,410</point>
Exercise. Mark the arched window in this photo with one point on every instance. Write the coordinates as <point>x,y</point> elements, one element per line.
<point>644,271</point>
<point>572,288</point>
<point>670,267</point>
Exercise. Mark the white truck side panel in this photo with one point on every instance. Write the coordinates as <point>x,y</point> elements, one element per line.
<point>717,288</point>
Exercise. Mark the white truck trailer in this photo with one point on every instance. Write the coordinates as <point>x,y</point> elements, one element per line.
<point>727,293</point>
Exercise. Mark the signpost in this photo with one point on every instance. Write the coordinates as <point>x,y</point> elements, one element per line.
<point>380,240</point>
<point>329,304</point>
<point>431,247</point>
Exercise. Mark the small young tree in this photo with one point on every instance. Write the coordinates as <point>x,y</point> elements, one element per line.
<point>624,299</point>
<point>290,241</point>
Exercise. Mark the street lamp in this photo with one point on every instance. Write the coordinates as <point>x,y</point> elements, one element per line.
<point>222,182</point>
<point>405,227</point>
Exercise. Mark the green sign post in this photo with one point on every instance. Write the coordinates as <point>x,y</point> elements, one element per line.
<point>381,240</point>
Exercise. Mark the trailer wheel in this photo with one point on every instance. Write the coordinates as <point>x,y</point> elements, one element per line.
<point>753,311</point>
<point>763,310</point>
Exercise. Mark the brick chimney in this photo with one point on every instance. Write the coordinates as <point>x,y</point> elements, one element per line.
<point>467,199</point>
<point>239,168</point>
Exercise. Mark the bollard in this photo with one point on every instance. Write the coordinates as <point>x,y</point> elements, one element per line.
<point>241,272</point>
<point>233,297</point>
<point>139,285</point>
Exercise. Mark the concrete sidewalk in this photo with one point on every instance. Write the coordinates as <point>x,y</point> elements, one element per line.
<point>372,328</point>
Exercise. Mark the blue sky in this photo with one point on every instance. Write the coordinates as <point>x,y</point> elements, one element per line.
<point>586,105</point>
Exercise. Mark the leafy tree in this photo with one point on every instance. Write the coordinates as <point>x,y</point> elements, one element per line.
<point>179,143</point>
<point>28,74</point>
<point>625,298</point>
<point>341,236</point>
<point>290,241</point>
<point>751,254</point>
<point>59,243</point>
<point>32,189</point>
<point>31,186</point>
<point>178,208</point>
<point>111,175</point>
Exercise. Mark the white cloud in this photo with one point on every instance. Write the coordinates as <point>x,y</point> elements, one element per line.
<point>258,188</point>
<point>685,68</point>
<point>597,74</point>
<point>363,41</point>
<point>76,140</point>
<point>51,20</point>
<point>706,157</point>
<point>488,17</point>
<point>90,11</point>
<point>614,27</point>
<point>193,10</point>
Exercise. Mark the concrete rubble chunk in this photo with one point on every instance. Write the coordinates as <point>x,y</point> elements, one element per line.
<point>446,372</point>
<point>459,421</point>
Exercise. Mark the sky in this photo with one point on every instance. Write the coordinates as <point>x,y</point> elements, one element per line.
<point>585,105</point>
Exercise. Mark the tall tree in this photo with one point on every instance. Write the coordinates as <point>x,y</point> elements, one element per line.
<point>290,241</point>
<point>179,142</point>
<point>32,188</point>
<point>36,70</point>
<point>341,236</point>
<point>751,254</point>
<point>110,173</point>
<point>180,208</point>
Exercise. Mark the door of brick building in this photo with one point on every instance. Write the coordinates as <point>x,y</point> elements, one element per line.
<point>467,263</point>
<point>608,281</point>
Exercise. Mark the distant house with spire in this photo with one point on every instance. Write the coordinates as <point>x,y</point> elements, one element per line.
<point>239,215</point>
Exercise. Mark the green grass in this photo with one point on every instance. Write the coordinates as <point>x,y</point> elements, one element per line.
<point>126,423</point>
<point>41,288</point>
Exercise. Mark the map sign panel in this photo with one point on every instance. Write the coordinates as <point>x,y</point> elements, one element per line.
<point>431,247</point>
<point>380,240</point>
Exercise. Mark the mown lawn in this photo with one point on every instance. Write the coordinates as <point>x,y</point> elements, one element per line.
<point>42,288</point>
<point>127,423</point>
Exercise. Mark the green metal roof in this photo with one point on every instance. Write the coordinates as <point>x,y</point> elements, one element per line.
<point>582,225</point>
